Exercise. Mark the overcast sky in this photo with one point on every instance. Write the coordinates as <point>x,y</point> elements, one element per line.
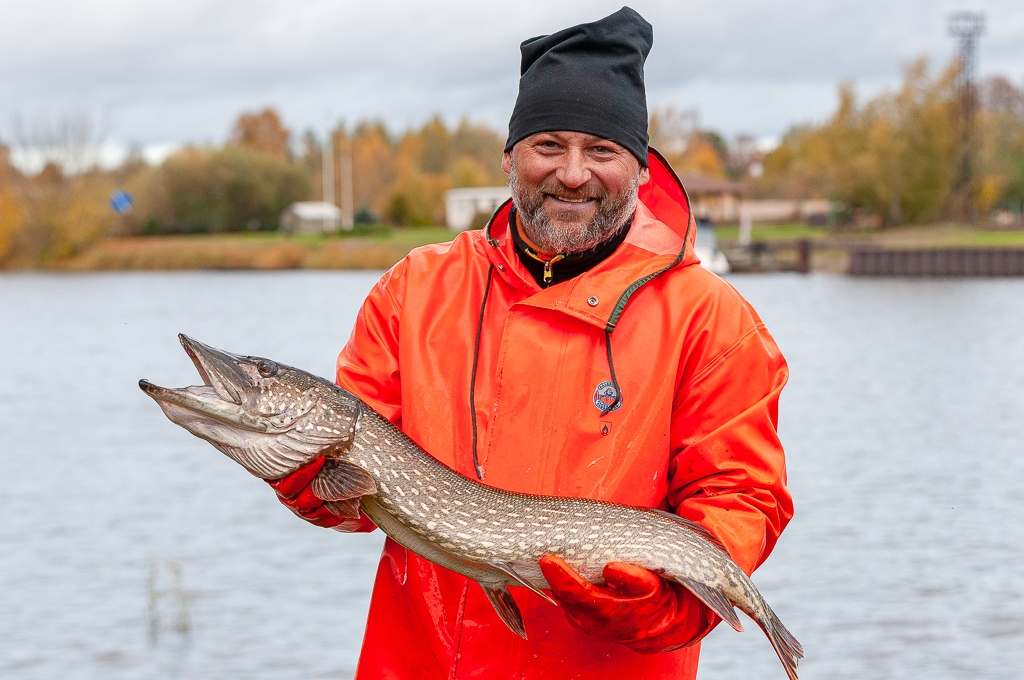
<point>181,71</point>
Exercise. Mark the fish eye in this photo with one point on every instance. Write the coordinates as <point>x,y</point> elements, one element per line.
<point>266,367</point>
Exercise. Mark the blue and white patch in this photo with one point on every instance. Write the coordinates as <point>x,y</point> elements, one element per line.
<point>604,396</point>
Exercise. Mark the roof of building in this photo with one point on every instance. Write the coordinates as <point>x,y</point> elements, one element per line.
<point>698,185</point>
<point>479,192</point>
<point>315,210</point>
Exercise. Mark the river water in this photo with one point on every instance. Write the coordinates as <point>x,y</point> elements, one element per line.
<point>129,549</point>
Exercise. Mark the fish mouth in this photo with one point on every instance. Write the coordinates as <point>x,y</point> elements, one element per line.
<point>220,397</point>
<point>218,369</point>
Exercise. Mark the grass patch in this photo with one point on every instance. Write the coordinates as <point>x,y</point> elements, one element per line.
<point>774,232</point>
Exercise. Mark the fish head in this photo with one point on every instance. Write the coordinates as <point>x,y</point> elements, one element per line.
<point>268,417</point>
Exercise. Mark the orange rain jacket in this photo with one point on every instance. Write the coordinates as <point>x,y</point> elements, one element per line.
<point>695,433</point>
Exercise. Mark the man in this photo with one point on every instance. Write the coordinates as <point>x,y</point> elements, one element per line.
<point>571,348</point>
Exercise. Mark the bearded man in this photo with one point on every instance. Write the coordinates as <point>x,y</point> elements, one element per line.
<point>573,347</point>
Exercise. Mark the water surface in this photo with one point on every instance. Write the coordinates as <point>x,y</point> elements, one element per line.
<point>129,549</point>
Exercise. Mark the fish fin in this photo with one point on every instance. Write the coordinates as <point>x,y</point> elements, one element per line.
<point>790,651</point>
<point>505,607</point>
<point>340,480</point>
<point>506,569</point>
<point>715,599</point>
<point>694,527</point>
<point>348,508</point>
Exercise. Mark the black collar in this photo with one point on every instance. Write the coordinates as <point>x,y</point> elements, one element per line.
<point>567,266</point>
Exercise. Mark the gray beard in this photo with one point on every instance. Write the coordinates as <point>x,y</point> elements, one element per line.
<point>575,238</point>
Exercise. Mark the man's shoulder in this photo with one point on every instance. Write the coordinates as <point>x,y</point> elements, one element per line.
<point>466,250</point>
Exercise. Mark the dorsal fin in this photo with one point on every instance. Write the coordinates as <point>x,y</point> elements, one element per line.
<point>716,600</point>
<point>694,527</point>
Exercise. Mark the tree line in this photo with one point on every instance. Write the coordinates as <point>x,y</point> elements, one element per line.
<point>895,158</point>
<point>892,159</point>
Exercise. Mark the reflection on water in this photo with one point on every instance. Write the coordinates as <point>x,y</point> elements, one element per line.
<point>129,549</point>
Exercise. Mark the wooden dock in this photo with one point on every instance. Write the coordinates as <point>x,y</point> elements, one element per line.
<point>938,262</point>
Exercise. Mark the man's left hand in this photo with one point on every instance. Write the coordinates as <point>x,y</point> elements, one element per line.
<point>636,608</point>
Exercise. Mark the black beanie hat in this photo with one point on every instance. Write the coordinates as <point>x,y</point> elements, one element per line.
<point>588,78</point>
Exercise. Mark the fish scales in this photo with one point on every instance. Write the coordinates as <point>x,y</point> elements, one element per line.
<point>272,419</point>
<point>519,528</point>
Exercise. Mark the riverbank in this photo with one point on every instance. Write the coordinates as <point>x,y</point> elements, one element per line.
<point>774,248</point>
<point>366,248</point>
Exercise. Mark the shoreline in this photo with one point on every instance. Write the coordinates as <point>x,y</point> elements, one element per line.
<point>380,248</point>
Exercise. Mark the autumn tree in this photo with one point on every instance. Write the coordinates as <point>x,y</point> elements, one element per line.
<point>1001,158</point>
<point>262,131</point>
<point>688,149</point>
<point>894,156</point>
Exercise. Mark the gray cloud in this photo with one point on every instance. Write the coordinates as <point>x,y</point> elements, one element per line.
<point>182,71</point>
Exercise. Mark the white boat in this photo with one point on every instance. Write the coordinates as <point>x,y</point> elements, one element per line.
<point>706,248</point>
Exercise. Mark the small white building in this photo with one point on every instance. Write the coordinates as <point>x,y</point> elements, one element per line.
<point>462,205</point>
<point>310,217</point>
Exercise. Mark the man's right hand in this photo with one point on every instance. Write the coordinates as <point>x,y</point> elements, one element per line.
<point>294,491</point>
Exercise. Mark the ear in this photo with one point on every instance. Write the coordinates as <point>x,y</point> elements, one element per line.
<point>645,176</point>
<point>506,162</point>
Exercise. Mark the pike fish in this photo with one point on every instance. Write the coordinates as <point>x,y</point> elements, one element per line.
<point>272,419</point>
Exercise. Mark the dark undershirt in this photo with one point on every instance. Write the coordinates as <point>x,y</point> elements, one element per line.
<point>570,266</point>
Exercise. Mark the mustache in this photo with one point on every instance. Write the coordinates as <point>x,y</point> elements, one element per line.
<point>556,188</point>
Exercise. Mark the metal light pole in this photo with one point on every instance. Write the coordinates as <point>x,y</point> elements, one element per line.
<point>347,201</point>
<point>328,167</point>
<point>967,26</point>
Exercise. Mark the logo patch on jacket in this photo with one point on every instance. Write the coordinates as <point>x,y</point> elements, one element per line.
<point>604,396</point>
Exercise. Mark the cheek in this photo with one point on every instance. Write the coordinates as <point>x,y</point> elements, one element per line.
<point>615,180</point>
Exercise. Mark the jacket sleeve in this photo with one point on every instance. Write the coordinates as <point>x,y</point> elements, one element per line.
<point>728,470</point>
<point>368,365</point>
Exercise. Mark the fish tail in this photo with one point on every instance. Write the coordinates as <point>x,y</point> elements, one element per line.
<point>790,651</point>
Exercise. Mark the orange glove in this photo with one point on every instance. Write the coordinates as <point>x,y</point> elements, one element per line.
<point>293,490</point>
<point>637,608</point>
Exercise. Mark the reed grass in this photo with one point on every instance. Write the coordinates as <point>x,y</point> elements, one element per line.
<point>252,252</point>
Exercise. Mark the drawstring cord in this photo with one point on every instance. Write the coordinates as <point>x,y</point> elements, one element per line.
<point>611,369</point>
<point>476,361</point>
<point>620,306</point>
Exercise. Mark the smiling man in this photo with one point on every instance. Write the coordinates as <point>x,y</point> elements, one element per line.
<point>574,348</point>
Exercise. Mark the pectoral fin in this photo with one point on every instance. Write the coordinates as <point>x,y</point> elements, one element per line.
<point>340,480</point>
<point>506,608</point>
<point>507,569</point>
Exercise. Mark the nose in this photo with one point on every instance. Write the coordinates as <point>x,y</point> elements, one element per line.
<point>573,171</point>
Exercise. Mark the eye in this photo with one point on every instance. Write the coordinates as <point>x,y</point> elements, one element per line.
<point>267,368</point>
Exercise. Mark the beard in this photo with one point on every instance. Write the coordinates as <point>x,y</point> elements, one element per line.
<point>570,234</point>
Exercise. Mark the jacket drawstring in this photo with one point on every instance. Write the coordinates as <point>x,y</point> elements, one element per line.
<point>611,369</point>
<point>620,306</point>
<point>476,360</point>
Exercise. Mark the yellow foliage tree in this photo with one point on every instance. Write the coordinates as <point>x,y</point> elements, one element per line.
<point>894,157</point>
<point>264,132</point>
<point>677,135</point>
<point>403,180</point>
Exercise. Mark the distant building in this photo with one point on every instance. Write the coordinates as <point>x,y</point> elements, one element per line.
<point>462,205</point>
<point>310,217</point>
<point>722,201</point>
<point>712,198</point>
